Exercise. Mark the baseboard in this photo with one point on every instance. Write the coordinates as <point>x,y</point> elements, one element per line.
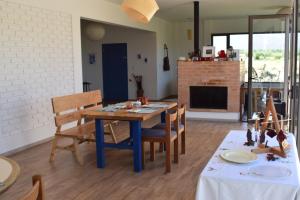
<point>23,148</point>
<point>173,96</point>
<point>214,116</point>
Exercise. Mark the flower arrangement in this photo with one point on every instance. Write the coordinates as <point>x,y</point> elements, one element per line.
<point>138,80</point>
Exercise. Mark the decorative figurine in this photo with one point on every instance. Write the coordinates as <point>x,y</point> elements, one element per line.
<point>249,142</point>
<point>281,138</point>
<point>271,157</point>
<point>271,133</point>
<point>262,137</point>
<point>261,117</point>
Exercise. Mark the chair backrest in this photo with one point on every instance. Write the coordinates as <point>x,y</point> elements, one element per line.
<point>171,118</point>
<point>72,106</point>
<point>181,114</point>
<point>37,191</point>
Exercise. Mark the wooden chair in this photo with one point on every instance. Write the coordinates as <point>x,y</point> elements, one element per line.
<point>182,127</point>
<point>37,191</point>
<point>68,109</point>
<point>166,136</point>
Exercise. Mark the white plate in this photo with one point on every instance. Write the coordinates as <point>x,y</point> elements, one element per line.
<point>270,171</point>
<point>134,110</point>
<point>238,156</point>
<point>5,170</point>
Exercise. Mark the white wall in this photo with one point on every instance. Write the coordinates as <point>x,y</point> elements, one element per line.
<point>36,64</point>
<point>166,80</point>
<point>184,45</point>
<point>30,77</point>
<point>138,42</point>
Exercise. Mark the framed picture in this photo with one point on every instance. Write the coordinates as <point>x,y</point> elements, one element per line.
<point>92,58</point>
<point>208,52</point>
<point>236,54</point>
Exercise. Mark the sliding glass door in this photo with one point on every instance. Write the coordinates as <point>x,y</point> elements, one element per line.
<point>268,63</point>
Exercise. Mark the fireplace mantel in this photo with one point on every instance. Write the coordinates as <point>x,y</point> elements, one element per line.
<point>222,74</point>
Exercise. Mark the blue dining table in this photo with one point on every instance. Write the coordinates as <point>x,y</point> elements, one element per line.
<point>135,119</point>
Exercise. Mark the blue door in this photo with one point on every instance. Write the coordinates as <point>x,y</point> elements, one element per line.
<point>115,74</point>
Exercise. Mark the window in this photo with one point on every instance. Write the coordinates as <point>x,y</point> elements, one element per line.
<point>219,42</point>
<point>240,41</point>
<point>268,56</point>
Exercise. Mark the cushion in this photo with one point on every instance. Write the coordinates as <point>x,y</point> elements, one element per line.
<point>149,132</point>
<point>163,126</point>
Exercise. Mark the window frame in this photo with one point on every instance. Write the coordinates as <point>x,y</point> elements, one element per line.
<point>227,37</point>
<point>237,33</point>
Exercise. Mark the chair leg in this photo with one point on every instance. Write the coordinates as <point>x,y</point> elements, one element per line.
<point>152,151</point>
<point>53,149</point>
<point>176,150</point>
<point>143,155</point>
<point>183,142</point>
<point>76,151</point>
<point>161,147</point>
<point>112,133</point>
<point>168,157</point>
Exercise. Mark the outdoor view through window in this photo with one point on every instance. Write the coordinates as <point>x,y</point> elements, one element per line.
<point>268,54</point>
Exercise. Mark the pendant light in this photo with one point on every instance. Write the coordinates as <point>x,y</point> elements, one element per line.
<point>94,31</point>
<point>140,10</point>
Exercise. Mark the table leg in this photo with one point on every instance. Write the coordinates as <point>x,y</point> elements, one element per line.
<point>130,131</point>
<point>100,143</point>
<point>136,128</point>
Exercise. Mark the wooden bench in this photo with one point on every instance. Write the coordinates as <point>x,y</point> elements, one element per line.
<point>68,109</point>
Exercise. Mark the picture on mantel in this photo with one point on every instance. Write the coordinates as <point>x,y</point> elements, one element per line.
<point>166,65</point>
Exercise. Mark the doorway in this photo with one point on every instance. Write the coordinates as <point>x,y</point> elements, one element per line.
<point>268,63</point>
<point>115,72</point>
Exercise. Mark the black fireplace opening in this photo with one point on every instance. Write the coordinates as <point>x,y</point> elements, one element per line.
<point>208,97</point>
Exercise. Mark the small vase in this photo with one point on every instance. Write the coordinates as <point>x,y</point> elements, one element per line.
<point>140,93</point>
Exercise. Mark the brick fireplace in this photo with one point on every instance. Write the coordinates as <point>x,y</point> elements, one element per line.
<point>209,86</point>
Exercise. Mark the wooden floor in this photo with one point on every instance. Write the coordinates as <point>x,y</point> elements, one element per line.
<point>66,179</point>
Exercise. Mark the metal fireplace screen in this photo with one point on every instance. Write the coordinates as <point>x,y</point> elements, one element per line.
<point>208,97</point>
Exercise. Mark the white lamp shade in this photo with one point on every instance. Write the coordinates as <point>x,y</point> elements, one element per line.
<point>285,11</point>
<point>94,31</point>
<point>140,10</point>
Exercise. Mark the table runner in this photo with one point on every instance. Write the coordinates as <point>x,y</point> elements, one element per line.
<point>222,180</point>
<point>149,108</point>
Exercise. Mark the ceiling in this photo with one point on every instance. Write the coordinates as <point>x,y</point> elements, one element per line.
<point>182,10</point>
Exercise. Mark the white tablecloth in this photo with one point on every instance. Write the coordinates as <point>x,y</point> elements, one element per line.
<point>221,180</point>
